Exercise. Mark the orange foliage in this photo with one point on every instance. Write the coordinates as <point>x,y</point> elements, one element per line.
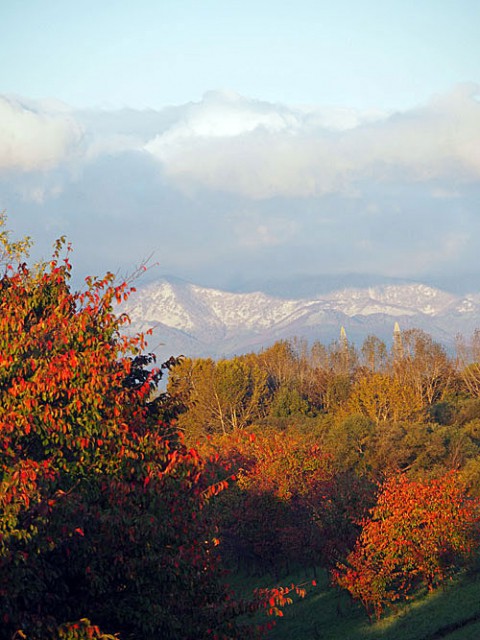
<point>418,533</point>
<point>101,505</point>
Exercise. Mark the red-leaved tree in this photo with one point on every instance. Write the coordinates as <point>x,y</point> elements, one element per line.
<point>101,509</point>
<point>417,534</point>
<point>286,507</point>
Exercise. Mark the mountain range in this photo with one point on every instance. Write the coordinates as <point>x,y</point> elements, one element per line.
<point>198,321</point>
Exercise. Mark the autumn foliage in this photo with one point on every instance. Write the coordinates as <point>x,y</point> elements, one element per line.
<point>267,519</point>
<point>102,512</point>
<point>118,521</point>
<point>417,534</point>
<point>288,506</point>
<point>327,428</point>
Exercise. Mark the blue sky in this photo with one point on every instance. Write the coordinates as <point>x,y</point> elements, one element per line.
<point>235,140</point>
<point>150,53</point>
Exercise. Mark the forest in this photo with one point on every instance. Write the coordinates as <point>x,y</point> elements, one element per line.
<point>132,513</point>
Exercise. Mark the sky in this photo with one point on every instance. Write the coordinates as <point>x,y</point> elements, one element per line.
<point>237,141</point>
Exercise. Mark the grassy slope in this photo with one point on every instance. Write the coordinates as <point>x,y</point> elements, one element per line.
<point>452,612</point>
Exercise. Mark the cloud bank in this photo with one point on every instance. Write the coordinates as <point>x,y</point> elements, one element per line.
<point>260,151</point>
<point>231,186</point>
<point>35,138</point>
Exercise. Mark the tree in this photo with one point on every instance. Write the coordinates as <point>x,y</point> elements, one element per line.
<point>384,398</point>
<point>468,357</point>
<point>349,441</point>
<point>280,362</point>
<point>374,354</point>
<point>218,397</point>
<point>417,534</point>
<point>288,402</point>
<point>425,365</point>
<point>101,510</point>
<point>273,518</point>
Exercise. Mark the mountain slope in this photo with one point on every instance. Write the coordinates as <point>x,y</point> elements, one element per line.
<point>199,321</point>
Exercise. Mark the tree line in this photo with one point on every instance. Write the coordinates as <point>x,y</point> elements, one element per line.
<point>378,394</point>
<point>366,462</point>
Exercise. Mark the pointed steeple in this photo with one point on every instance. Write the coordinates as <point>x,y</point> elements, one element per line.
<point>344,350</point>
<point>397,343</point>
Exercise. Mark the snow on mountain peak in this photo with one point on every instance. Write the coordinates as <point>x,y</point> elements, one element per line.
<point>197,320</point>
<point>394,300</point>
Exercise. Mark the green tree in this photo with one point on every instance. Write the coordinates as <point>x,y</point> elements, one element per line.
<point>288,402</point>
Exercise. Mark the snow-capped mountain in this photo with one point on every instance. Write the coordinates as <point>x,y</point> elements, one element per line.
<point>197,321</point>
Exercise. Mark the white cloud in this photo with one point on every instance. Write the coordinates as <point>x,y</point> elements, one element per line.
<point>220,115</point>
<point>261,151</point>
<point>231,185</point>
<point>35,138</point>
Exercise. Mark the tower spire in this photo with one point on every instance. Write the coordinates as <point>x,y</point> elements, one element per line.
<point>397,343</point>
<point>344,350</point>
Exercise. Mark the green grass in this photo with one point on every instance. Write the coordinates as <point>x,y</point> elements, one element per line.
<point>452,613</point>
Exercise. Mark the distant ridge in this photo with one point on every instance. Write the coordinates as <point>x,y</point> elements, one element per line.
<point>195,321</point>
